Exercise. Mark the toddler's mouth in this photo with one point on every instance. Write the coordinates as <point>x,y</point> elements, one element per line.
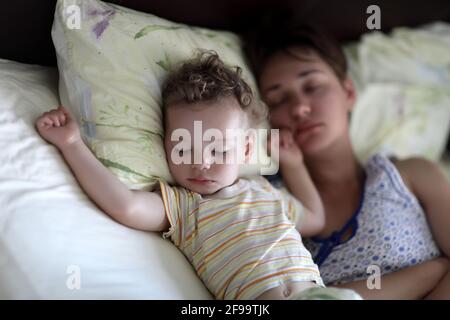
<point>201,180</point>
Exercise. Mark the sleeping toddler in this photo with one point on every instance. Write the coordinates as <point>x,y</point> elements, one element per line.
<point>242,236</point>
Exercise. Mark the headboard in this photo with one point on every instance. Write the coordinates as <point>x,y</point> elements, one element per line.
<point>25,24</point>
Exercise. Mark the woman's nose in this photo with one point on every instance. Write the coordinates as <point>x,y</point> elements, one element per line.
<point>300,109</point>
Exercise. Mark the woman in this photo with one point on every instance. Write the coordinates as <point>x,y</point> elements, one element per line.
<point>388,215</point>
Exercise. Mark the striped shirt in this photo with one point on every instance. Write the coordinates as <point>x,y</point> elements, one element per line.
<point>242,240</point>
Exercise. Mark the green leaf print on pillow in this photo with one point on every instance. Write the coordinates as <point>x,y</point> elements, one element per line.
<point>165,64</point>
<point>144,31</point>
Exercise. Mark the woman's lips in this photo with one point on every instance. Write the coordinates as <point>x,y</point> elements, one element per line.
<point>307,129</point>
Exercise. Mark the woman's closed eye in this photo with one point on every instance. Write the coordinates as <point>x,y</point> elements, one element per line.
<point>312,86</point>
<point>279,102</point>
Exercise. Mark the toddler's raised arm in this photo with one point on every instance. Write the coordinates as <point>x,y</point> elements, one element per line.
<point>299,182</point>
<point>136,209</point>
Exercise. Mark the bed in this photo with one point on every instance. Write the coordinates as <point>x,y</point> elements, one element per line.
<point>54,242</point>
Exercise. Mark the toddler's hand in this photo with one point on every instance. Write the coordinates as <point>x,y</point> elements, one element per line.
<point>58,128</point>
<point>290,154</point>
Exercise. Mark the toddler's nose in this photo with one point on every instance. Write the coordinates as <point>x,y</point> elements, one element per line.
<point>207,160</point>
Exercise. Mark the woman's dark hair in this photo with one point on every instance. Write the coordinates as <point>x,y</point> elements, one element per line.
<point>278,33</point>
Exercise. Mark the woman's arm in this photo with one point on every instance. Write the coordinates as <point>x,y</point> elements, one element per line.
<point>136,209</point>
<point>432,189</point>
<point>414,282</point>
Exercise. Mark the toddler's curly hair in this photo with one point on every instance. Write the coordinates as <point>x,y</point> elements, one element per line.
<point>206,78</point>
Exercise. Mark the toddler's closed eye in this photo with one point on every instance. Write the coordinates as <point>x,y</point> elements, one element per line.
<point>181,152</point>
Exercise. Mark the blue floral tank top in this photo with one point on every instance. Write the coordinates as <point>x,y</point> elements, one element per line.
<point>390,230</point>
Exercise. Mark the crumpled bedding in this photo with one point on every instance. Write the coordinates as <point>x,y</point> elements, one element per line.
<point>402,81</point>
<point>54,242</point>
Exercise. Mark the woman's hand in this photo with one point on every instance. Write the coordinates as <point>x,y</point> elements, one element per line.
<point>58,128</point>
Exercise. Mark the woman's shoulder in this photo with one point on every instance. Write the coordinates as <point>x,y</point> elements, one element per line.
<point>410,165</point>
<point>405,164</point>
<point>382,168</point>
<point>411,170</point>
<point>415,169</point>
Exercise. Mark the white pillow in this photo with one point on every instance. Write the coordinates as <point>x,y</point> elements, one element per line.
<point>50,230</point>
<point>402,80</point>
<point>111,73</point>
<point>405,55</point>
<point>401,120</point>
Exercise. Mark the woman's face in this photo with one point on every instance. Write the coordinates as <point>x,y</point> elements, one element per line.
<point>305,96</point>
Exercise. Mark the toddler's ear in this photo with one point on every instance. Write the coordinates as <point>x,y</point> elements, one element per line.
<point>250,139</point>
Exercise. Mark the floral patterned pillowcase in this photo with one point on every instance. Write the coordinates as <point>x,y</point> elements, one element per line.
<point>402,80</point>
<point>111,71</point>
<point>401,120</point>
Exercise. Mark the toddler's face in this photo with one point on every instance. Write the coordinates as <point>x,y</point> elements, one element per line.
<point>187,141</point>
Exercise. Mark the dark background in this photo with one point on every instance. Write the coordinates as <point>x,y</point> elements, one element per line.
<point>25,24</point>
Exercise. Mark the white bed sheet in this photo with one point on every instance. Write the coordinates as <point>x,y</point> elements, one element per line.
<point>50,230</point>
